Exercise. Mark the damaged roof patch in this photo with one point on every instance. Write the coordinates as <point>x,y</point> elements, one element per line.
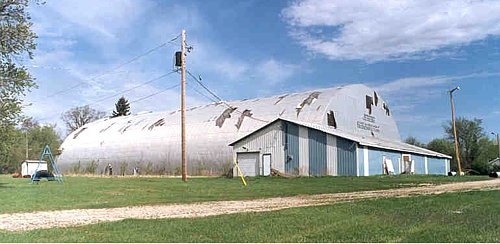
<point>160,122</point>
<point>103,130</point>
<point>225,115</point>
<point>242,116</point>
<point>308,101</point>
<point>78,133</point>
<point>280,98</point>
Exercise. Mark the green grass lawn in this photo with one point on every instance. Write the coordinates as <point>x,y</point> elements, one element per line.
<point>452,217</point>
<point>19,195</point>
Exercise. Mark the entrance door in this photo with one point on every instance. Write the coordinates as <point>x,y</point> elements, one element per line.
<point>266,164</point>
<point>407,166</point>
<point>248,163</point>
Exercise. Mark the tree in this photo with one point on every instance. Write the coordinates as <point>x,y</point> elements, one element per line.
<point>469,134</point>
<point>488,150</point>
<point>443,146</point>
<point>79,116</point>
<point>17,41</point>
<point>37,137</point>
<point>414,141</point>
<point>122,108</point>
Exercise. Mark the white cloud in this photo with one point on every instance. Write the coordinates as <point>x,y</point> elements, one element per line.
<point>102,17</point>
<point>209,58</point>
<point>274,71</point>
<point>82,39</point>
<point>392,29</point>
<point>406,95</point>
<point>411,84</point>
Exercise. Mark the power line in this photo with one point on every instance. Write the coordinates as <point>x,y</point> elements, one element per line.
<point>220,99</point>
<point>200,93</point>
<point>202,85</point>
<point>156,93</point>
<point>173,39</point>
<point>115,68</point>
<point>135,87</point>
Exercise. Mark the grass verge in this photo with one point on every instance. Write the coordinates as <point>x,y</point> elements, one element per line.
<point>19,195</point>
<point>451,217</point>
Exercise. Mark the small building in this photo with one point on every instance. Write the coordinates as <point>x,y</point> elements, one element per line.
<point>28,167</point>
<point>308,149</point>
<point>495,162</point>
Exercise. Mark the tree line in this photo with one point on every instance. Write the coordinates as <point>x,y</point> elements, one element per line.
<point>29,138</point>
<point>475,148</point>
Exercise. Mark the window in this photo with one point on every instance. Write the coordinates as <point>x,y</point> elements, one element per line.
<point>386,108</point>
<point>330,117</point>
<point>369,103</point>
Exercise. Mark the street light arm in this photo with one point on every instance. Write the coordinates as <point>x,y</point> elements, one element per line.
<point>454,89</point>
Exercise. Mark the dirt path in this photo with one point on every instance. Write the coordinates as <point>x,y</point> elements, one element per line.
<point>75,217</point>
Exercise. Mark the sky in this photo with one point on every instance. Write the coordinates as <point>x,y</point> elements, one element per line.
<point>411,52</point>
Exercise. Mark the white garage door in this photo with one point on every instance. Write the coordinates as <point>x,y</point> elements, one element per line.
<point>248,163</point>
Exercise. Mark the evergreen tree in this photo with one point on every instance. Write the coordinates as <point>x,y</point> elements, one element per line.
<point>122,108</point>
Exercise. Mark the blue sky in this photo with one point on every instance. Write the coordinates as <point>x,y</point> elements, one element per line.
<point>412,52</point>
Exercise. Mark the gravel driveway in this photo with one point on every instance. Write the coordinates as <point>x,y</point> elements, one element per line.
<point>76,217</point>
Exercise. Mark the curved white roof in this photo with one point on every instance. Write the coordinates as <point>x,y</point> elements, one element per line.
<point>155,137</point>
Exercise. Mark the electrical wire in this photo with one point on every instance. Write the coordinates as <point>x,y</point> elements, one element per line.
<point>133,88</point>
<point>219,98</point>
<point>156,93</point>
<point>115,68</point>
<point>201,93</point>
<point>202,85</point>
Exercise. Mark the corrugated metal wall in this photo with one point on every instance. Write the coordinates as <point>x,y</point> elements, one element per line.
<point>317,153</point>
<point>331,154</point>
<point>267,141</point>
<point>360,160</point>
<point>436,166</point>
<point>376,160</point>
<point>419,164</point>
<point>304,151</point>
<point>376,156</point>
<point>346,157</point>
<point>313,152</point>
<point>291,148</point>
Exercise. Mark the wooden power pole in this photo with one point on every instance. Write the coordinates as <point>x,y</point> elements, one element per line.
<point>183,105</point>
<point>455,130</point>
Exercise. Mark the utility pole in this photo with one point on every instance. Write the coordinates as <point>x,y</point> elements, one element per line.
<point>27,149</point>
<point>498,143</point>
<point>455,129</point>
<point>183,105</point>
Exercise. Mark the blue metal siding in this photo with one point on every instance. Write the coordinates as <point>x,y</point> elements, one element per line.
<point>317,153</point>
<point>395,157</point>
<point>361,161</point>
<point>419,164</point>
<point>436,166</point>
<point>346,157</point>
<point>291,148</point>
<point>376,160</point>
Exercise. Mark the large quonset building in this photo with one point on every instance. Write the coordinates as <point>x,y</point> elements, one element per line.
<point>345,130</point>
